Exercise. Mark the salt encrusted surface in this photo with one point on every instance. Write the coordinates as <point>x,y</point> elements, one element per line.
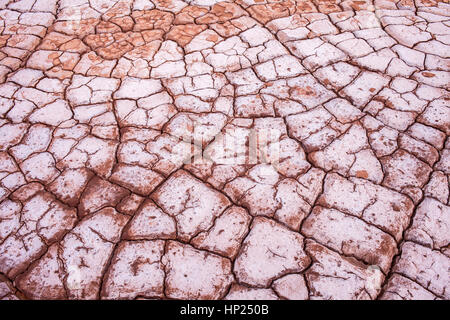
<point>103,101</point>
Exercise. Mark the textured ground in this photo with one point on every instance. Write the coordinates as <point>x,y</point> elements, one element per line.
<point>104,102</point>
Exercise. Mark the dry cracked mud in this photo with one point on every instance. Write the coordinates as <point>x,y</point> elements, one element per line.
<point>117,181</point>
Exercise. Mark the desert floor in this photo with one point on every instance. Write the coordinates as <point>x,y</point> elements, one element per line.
<point>207,149</point>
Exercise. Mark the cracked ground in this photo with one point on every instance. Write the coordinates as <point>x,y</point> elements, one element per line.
<point>103,103</point>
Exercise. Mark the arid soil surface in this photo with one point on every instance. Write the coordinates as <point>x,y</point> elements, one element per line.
<point>129,166</point>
